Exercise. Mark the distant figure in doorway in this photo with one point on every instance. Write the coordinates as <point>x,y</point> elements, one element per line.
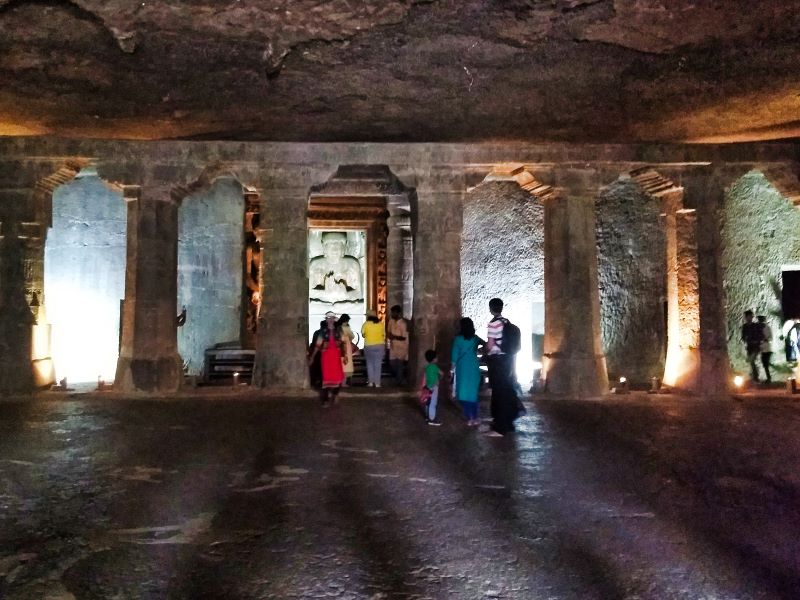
<point>430,381</point>
<point>766,346</point>
<point>374,334</point>
<point>501,376</point>
<point>314,362</point>
<point>791,337</point>
<point>466,370</point>
<point>752,336</point>
<point>331,348</point>
<point>347,340</point>
<point>397,333</point>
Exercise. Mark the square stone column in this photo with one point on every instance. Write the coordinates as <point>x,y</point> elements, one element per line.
<point>16,318</point>
<point>283,318</point>
<point>574,361</point>
<point>715,376</point>
<point>436,223</point>
<point>398,223</point>
<point>682,366</point>
<point>148,359</point>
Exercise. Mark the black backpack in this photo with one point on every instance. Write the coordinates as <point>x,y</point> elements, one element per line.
<point>511,342</point>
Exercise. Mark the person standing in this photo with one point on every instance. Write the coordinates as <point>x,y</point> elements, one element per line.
<point>766,346</point>
<point>431,380</point>
<point>347,341</point>
<point>374,334</point>
<point>504,399</point>
<point>752,338</point>
<point>466,369</point>
<point>314,364</point>
<point>397,333</point>
<point>329,346</point>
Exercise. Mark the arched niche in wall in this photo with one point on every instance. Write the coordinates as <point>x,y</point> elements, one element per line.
<point>210,273</point>
<point>502,255</point>
<point>84,277</point>
<point>631,257</point>
<point>760,240</point>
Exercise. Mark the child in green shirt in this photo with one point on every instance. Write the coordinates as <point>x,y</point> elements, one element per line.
<point>431,381</point>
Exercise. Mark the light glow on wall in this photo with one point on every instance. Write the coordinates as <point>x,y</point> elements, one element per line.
<point>84,278</point>
<point>85,333</point>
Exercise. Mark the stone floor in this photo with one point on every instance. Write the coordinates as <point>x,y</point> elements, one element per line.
<point>230,496</point>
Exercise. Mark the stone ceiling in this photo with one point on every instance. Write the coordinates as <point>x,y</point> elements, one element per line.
<point>401,70</point>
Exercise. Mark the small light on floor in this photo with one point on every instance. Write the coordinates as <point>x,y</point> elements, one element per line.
<point>236,380</point>
<point>738,381</point>
<point>622,388</point>
<point>623,380</point>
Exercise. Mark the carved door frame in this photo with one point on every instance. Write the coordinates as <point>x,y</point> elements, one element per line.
<point>359,213</point>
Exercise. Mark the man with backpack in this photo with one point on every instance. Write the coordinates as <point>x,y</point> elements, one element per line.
<point>502,344</point>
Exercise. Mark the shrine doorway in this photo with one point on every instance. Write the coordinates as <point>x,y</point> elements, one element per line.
<point>359,246</point>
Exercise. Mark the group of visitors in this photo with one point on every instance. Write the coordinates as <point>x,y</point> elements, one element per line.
<point>757,337</point>
<point>330,356</point>
<point>331,363</point>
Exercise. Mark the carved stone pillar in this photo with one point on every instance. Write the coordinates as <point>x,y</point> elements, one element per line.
<point>148,359</point>
<point>574,360</point>
<point>399,223</point>
<point>16,319</point>
<point>436,223</point>
<point>283,317</point>
<point>408,272</point>
<point>715,367</point>
<point>682,364</point>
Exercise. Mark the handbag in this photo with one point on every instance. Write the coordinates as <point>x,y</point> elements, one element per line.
<point>425,394</point>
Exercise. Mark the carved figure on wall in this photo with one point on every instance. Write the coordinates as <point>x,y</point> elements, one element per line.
<point>335,276</point>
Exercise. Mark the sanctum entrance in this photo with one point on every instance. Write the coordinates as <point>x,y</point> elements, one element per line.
<point>347,258</point>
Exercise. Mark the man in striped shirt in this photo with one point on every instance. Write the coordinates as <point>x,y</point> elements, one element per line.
<point>504,404</point>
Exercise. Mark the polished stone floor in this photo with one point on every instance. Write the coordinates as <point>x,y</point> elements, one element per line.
<point>237,497</point>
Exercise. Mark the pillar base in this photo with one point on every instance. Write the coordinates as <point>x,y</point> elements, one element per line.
<point>577,377</point>
<point>44,373</point>
<point>149,375</point>
<point>285,369</point>
<point>16,378</point>
<point>682,369</point>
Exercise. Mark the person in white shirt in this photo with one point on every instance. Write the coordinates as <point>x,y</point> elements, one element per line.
<point>766,346</point>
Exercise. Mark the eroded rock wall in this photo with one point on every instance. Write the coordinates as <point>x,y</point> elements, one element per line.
<point>760,234</point>
<point>502,255</point>
<point>210,271</point>
<point>632,277</point>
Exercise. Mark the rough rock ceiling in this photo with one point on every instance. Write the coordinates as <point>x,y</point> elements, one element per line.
<point>402,70</point>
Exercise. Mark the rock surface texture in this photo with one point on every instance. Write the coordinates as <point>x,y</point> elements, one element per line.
<point>401,70</point>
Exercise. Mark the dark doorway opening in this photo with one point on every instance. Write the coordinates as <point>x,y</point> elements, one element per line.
<point>790,294</point>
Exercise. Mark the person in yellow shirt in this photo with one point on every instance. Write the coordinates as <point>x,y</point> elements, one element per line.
<point>374,334</point>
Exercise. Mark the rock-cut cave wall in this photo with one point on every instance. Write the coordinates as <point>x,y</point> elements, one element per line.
<point>760,235</point>
<point>502,254</point>
<point>631,258</point>
<point>210,271</point>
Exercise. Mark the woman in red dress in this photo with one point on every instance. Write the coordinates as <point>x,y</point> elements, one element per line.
<point>331,346</point>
